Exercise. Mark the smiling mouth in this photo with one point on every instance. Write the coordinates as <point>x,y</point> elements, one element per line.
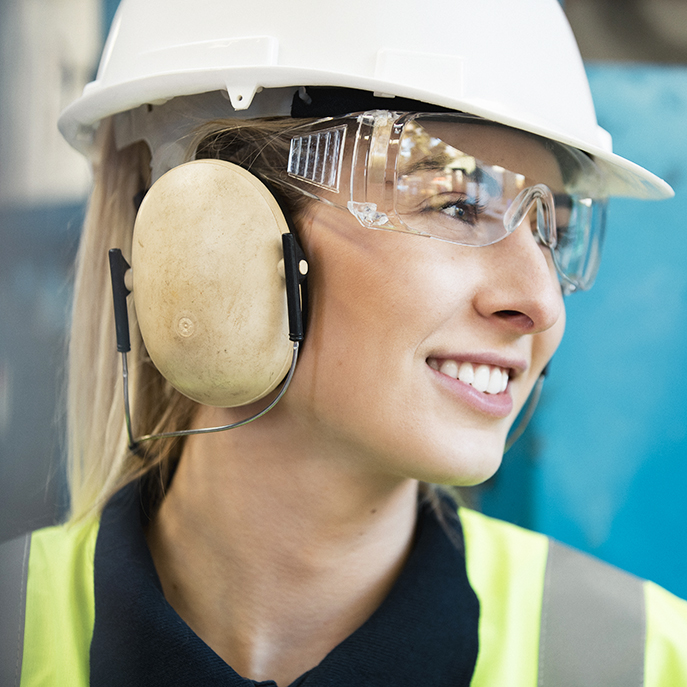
<point>488,379</point>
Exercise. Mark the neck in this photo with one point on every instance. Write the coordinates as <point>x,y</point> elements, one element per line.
<point>274,556</point>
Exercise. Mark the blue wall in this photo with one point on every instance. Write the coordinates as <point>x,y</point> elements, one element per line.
<point>604,466</point>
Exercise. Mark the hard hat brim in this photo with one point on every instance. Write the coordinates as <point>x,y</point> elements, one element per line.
<point>79,121</point>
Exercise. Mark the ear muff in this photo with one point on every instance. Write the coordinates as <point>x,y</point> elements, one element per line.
<point>208,284</point>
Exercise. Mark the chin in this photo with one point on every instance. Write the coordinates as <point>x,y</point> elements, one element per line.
<point>466,465</point>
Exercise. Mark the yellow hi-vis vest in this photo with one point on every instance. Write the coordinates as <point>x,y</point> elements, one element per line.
<point>549,616</point>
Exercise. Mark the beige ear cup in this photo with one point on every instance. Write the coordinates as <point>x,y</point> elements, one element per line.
<point>210,300</point>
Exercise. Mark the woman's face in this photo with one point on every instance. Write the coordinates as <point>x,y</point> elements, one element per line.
<point>394,318</point>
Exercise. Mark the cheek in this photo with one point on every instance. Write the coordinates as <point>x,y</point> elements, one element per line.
<point>365,323</point>
<point>360,321</point>
<point>376,295</point>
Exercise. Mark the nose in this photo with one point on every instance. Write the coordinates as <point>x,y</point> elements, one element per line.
<point>520,288</point>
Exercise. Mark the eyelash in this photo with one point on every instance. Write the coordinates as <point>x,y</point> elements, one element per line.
<point>472,210</point>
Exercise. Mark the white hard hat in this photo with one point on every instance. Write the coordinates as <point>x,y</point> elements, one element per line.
<point>511,61</point>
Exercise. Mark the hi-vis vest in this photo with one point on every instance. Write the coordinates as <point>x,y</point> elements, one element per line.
<point>549,616</point>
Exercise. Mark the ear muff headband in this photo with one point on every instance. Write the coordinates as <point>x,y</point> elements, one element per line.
<point>208,284</point>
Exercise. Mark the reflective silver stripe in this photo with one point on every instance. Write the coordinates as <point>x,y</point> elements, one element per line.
<point>592,625</point>
<point>14,569</point>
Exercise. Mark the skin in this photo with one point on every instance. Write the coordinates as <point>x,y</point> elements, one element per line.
<point>279,539</point>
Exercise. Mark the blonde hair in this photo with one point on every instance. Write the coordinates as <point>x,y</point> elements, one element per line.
<point>99,461</point>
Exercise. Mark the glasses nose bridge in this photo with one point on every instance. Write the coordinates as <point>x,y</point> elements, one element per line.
<point>546,213</point>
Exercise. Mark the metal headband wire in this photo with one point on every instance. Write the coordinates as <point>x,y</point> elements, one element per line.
<point>134,444</point>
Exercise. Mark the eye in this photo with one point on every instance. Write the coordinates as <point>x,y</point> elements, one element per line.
<point>463,209</point>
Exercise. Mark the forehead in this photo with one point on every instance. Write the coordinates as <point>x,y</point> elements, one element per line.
<point>492,144</point>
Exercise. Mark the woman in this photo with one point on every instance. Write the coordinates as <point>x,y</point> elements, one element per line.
<point>309,546</point>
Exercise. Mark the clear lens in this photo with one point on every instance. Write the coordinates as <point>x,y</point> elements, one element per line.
<point>581,223</point>
<point>443,192</point>
<point>457,178</point>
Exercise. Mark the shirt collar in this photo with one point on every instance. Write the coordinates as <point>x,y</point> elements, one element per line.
<point>424,632</point>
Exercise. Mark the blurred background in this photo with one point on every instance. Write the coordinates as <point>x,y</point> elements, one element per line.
<point>603,465</point>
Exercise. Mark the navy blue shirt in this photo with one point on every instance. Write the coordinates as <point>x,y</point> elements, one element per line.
<point>423,633</point>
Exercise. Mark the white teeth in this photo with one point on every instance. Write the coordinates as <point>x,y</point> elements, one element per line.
<point>467,373</point>
<point>489,380</point>
<point>481,378</point>
<point>449,368</point>
<point>494,385</point>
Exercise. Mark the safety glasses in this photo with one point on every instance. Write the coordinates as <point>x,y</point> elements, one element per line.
<point>456,178</point>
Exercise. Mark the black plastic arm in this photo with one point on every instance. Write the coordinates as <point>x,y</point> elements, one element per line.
<point>118,267</point>
<point>293,254</point>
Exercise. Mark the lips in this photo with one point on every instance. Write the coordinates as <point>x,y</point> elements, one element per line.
<point>489,379</point>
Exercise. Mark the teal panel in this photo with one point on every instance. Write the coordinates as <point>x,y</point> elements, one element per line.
<point>611,465</point>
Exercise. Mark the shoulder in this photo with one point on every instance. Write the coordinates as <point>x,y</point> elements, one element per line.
<point>64,547</point>
<point>48,587</point>
<point>506,566</point>
<point>562,604</point>
<point>488,540</point>
<point>53,558</point>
